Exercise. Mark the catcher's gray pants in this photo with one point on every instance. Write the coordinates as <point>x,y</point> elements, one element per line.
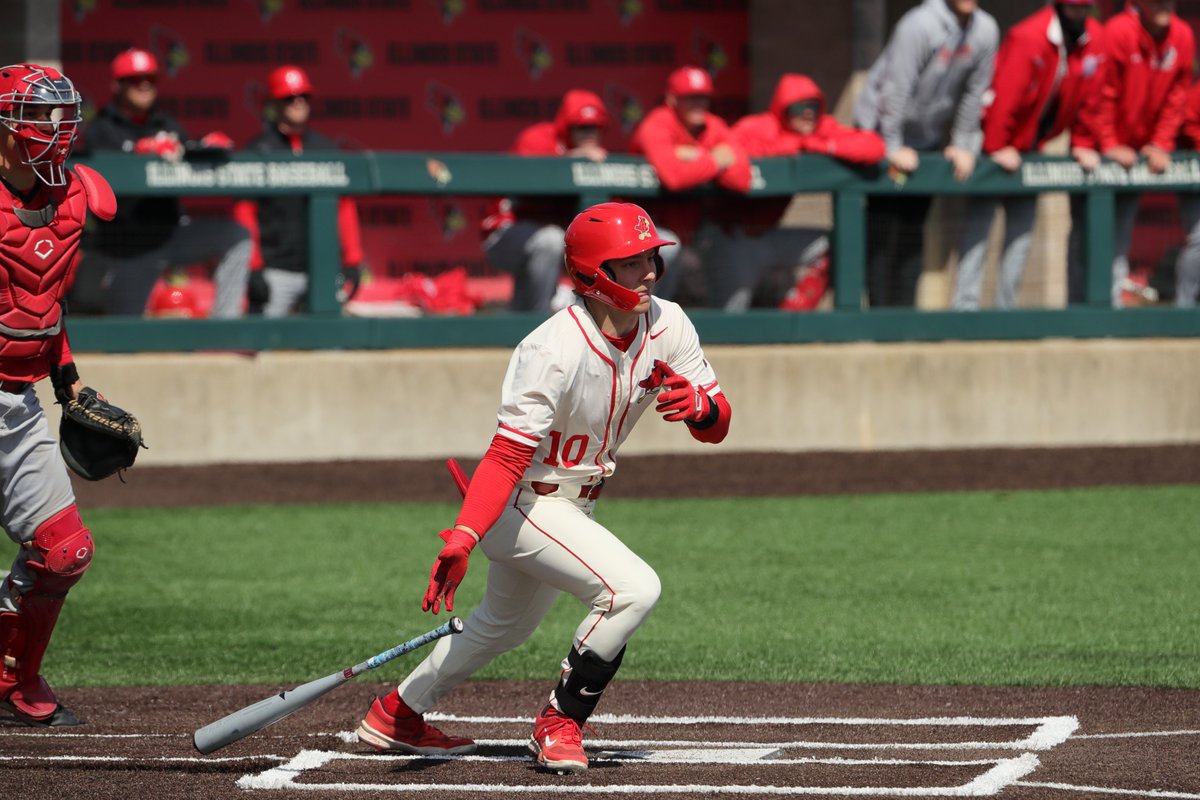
<point>1019,214</point>
<point>34,484</point>
<point>539,548</point>
<point>129,281</point>
<point>533,254</point>
<point>1122,233</point>
<point>1187,266</point>
<point>736,263</point>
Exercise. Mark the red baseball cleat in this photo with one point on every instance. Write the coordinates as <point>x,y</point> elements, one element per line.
<point>408,734</point>
<point>558,742</point>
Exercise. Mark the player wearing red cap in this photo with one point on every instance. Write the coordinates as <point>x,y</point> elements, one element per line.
<point>523,235</point>
<point>279,224</point>
<point>127,256</point>
<point>574,390</point>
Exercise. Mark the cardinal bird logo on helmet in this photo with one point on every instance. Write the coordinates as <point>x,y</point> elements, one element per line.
<point>642,226</point>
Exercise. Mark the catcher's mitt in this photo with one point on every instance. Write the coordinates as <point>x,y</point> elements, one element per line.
<point>97,438</point>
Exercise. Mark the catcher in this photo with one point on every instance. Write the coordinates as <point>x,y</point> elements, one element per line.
<point>43,206</point>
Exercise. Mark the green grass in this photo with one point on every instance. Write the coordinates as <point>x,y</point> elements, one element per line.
<point>1081,587</point>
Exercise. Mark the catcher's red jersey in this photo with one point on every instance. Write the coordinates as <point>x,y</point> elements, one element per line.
<point>39,251</point>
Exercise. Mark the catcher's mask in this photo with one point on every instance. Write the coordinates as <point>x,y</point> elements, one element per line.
<point>609,231</point>
<point>40,107</point>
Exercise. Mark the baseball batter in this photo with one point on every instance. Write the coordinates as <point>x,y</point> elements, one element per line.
<point>42,210</point>
<point>574,389</point>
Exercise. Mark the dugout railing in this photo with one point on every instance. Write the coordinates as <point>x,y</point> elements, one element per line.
<point>326,177</point>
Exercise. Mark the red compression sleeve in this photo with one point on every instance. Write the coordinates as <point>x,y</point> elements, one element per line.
<point>245,213</point>
<point>712,431</point>
<point>492,484</point>
<point>349,232</point>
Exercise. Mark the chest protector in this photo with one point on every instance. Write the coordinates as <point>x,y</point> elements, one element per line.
<point>39,252</point>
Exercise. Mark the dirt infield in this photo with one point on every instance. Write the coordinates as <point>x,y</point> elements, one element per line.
<point>677,741</point>
<point>674,741</point>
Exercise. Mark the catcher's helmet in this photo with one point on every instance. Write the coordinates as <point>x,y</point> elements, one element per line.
<point>603,232</point>
<point>134,62</point>
<point>287,81</point>
<point>40,107</point>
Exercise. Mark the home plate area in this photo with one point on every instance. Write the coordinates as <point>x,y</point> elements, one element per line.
<point>670,740</point>
<point>710,755</point>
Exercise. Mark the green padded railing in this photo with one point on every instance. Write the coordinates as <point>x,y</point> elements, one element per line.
<point>325,178</point>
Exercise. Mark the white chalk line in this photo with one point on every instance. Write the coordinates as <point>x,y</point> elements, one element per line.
<point>1066,787</point>
<point>1133,734</point>
<point>1002,774</point>
<point>113,759</point>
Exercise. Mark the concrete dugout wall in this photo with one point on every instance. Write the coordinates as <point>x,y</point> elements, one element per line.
<point>337,405</point>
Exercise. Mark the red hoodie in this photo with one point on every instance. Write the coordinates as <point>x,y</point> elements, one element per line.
<point>1189,131</point>
<point>1025,82</point>
<point>657,137</point>
<point>1144,86</point>
<point>552,138</point>
<point>767,134</point>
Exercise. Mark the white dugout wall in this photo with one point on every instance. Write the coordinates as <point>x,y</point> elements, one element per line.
<point>200,408</point>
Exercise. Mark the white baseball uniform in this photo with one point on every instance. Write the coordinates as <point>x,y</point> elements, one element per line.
<point>574,396</point>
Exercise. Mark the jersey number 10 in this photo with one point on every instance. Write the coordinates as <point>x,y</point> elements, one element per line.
<point>568,453</point>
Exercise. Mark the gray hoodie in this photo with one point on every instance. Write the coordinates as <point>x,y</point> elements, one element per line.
<point>925,89</point>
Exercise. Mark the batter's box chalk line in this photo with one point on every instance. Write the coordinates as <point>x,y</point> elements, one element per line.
<point>998,774</point>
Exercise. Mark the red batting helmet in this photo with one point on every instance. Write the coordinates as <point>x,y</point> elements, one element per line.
<point>603,232</point>
<point>40,107</point>
<point>288,81</point>
<point>133,62</point>
<point>689,80</point>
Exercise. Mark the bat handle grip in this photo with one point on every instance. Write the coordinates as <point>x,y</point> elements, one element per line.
<point>451,626</point>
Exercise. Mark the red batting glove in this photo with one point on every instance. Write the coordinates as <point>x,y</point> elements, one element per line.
<point>217,139</point>
<point>449,569</point>
<point>162,144</point>
<point>680,401</point>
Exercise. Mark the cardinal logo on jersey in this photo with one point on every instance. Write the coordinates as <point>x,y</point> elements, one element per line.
<point>642,227</point>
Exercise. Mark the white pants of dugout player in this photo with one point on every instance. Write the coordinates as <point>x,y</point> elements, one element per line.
<point>542,546</point>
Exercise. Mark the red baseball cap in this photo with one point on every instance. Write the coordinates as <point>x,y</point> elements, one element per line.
<point>287,81</point>
<point>132,62</point>
<point>689,80</point>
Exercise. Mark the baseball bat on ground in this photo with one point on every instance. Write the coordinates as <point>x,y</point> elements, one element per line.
<point>253,718</point>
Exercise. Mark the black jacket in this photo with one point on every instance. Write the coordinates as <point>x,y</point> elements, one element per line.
<point>283,219</point>
<point>142,223</point>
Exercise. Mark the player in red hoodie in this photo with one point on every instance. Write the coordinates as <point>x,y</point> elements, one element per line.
<point>1047,65</point>
<point>1147,51</point>
<point>524,235</point>
<point>796,122</point>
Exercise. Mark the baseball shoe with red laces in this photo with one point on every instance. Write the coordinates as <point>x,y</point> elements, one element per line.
<point>558,742</point>
<point>408,732</point>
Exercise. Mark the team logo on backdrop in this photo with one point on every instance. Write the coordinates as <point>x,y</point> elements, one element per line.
<point>268,8</point>
<point>450,9</point>
<point>354,51</point>
<point>83,8</point>
<point>627,108</point>
<point>256,100</point>
<point>628,10</point>
<point>710,52</point>
<point>450,216</point>
<point>169,47</point>
<point>533,51</point>
<point>445,104</point>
